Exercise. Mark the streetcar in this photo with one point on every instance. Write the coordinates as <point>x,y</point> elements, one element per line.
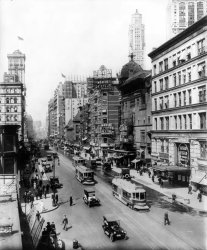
<point>121,172</point>
<point>130,194</point>
<point>84,175</point>
<point>78,161</point>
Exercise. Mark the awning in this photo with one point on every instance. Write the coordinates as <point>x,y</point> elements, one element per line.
<point>200,179</point>
<point>104,145</point>
<point>135,161</point>
<point>84,139</point>
<point>171,169</point>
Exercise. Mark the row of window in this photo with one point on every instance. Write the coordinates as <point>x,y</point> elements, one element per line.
<point>10,100</point>
<point>10,118</point>
<point>179,99</point>
<point>179,78</point>
<point>9,109</point>
<point>179,122</point>
<point>178,58</point>
<point>10,90</point>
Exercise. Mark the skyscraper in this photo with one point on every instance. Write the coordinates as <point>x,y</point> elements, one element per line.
<point>183,13</point>
<point>137,38</point>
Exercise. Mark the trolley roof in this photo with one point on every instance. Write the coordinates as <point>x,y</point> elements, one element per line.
<point>128,186</point>
<point>84,169</point>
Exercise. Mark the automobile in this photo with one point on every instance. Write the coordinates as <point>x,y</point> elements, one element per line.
<point>90,198</point>
<point>46,147</point>
<point>55,155</point>
<point>98,162</point>
<point>49,157</point>
<point>44,162</point>
<point>54,182</point>
<point>48,167</point>
<point>111,227</point>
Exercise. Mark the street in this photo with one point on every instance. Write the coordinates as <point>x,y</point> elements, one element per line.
<point>145,230</point>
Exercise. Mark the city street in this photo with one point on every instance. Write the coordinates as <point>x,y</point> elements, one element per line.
<point>145,230</point>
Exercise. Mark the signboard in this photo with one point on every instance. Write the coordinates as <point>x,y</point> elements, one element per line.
<point>183,154</point>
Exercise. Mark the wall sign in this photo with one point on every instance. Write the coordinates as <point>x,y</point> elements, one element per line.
<point>183,154</point>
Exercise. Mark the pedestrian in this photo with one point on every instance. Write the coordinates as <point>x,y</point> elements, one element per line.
<point>25,197</point>
<point>71,200</point>
<point>149,173</point>
<point>189,189</point>
<point>65,222</point>
<point>47,188</point>
<point>32,199</point>
<point>38,216</point>
<point>43,188</point>
<point>161,184</point>
<point>45,193</point>
<point>40,183</point>
<point>200,196</point>
<point>40,192</point>
<point>56,199</point>
<point>153,178</point>
<point>166,219</point>
<point>36,194</point>
<point>48,227</point>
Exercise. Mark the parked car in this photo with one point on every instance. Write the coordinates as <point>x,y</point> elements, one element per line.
<point>90,198</point>
<point>48,167</point>
<point>99,162</point>
<point>54,182</point>
<point>49,157</point>
<point>112,229</point>
<point>44,162</point>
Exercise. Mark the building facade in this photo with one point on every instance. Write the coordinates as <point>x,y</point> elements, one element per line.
<point>135,127</point>
<point>183,13</point>
<point>137,38</point>
<point>103,110</point>
<point>179,133</point>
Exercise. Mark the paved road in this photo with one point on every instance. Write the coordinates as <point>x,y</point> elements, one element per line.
<point>145,230</point>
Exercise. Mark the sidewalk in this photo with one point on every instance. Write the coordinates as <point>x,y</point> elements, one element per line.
<point>181,193</point>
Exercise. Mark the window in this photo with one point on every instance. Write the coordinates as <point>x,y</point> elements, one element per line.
<point>180,121</point>
<point>174,60</point>
<point>174,79</point>
<point>176,124</point>
<point>105,140</point>
<point>179,78</point>
<point>166,82</point>
<point>162,146</point>
<point>190,120</point>
<point>155,86</point>
<point>160,67</point>
<point>155,69</point>
<point>185,121</point>
<point>202,93</point>
<point>142,136</point>
<point>202,120</point>
<point>179,99</point>
<point>184,76</point>
<point>155,123</point>
<point>184,98</point>
<point>166,64</point>
<point>189,96</point>
<point>155,104</point>
<point>104,120</point>
<point>161,84</point>
<point>167,102</point>
<point>161,102</point>
<point>188,53</point>
<point>7,100</point>
<point>201,70</point>
<point>162,123</point>
<point>167,123</point>
<point>148,119</point>
<point>203,149</point>
<point>104,94</point>
<point>175,100</point>
<point>201,48</point>
<point>189,75</point>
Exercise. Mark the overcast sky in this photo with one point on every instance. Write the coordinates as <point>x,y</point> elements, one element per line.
<point>73,37</point>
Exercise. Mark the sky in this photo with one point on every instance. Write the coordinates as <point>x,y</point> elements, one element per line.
<point>73,37</point>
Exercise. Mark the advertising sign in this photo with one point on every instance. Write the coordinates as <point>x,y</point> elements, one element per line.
<point>183,154</point>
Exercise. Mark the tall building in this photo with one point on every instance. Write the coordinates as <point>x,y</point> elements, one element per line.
<point>137,38</point>
<point>183,13</point>
<point>179,106</point>
<point>103,111</point>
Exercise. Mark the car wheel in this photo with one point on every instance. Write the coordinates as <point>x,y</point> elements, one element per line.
<point>112,238</point>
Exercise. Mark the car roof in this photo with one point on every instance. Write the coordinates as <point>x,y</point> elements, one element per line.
<point>111,217</point>
<point>89,190</point>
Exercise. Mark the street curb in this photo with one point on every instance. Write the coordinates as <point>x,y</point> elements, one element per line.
<point>47,211</point>
<point>178,202</point>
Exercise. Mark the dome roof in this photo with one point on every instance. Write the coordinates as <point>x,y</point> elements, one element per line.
<point>130,69</point>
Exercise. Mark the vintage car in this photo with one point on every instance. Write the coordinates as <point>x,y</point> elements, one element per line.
<point>112,229</point>
<point>54,182</point>
<point>44,161</point>
<point>90,198</point>
<point>49,157</point>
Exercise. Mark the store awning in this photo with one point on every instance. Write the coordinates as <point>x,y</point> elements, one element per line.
<point>135,161</point>
<point>200,179</point>
<point>171,168</point>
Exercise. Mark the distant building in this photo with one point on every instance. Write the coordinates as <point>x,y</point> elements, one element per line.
<point>179,106</point>
<point>183,13</point>
<point>137,38</point>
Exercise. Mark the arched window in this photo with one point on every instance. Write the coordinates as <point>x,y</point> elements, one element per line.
<point>7,100</point>
<point>15,100</point>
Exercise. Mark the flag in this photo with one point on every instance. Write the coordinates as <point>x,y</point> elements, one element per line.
<point>63,75</point>
<point>20,38</point>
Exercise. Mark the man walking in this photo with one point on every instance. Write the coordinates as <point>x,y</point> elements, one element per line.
<point>65,222</point>
<point>166,219</point>
<point>71,200</point>
<point>56,199</point>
